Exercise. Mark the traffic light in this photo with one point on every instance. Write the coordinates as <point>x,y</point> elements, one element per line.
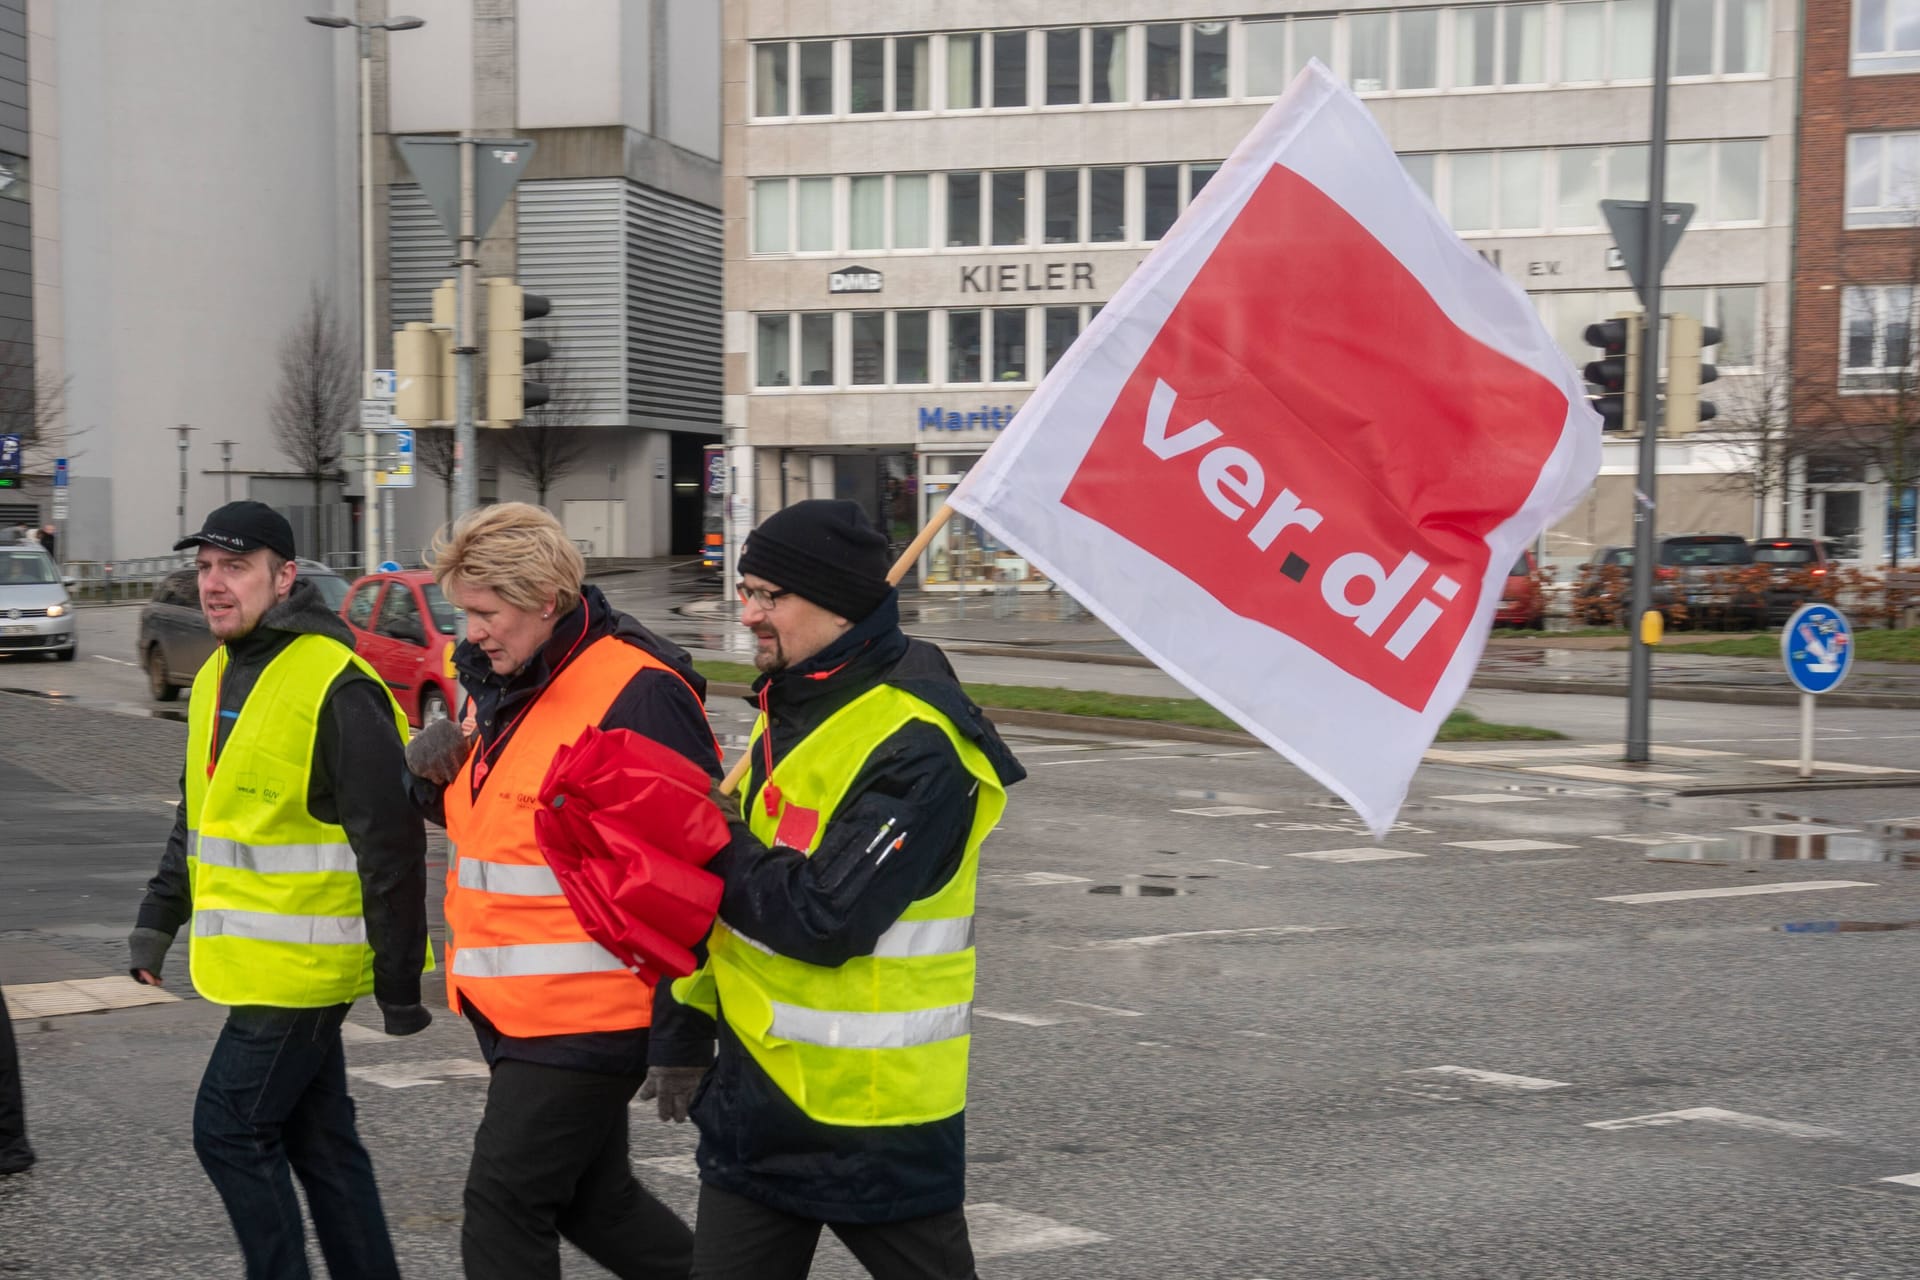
<point>446,318</point>
<point>1685,374</point>
<point>1616,375</point>
<point>509,351</point>
<point>416,368</point>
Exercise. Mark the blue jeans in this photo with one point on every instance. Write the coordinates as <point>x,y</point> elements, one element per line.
<point>274,1103</point>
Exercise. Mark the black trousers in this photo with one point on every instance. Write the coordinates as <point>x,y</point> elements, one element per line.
<point>741,1239</point>
<point>15,1154</point>
<point>550,1160</point>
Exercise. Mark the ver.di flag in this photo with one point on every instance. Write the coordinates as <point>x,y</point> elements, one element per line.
<point>1293,459</point>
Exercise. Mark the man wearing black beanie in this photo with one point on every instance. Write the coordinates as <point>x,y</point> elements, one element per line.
<point>847,915</point>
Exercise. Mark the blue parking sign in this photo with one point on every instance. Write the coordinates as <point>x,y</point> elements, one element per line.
<point>9,455</point>
<point>1817,648</point>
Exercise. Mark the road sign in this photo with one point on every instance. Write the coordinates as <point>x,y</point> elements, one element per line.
<point>1817,647</point>
<point>9,455</point>
<point>385,385</point>
<point>1627,219</point>
<point>59,473</point>
<point>59,504</point>
<point>389,566</point>
<point>497,166</point>
<point>375,415</point>
<point>396,460</point>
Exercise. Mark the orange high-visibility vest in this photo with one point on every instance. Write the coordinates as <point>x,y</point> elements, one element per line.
<point>514,946</point>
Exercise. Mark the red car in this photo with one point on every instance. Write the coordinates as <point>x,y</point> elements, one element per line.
<point>403,627</point>
<point>1522,604</point>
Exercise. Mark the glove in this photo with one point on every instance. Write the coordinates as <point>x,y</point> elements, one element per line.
<point>147,950</point>
<point>674,1088</point>
<point>727,801</point>
<point>437,752</point>
<point>405,1019</point>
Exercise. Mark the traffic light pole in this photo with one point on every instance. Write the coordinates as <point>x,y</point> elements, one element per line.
<point>1640,657</point>
<point>466,492</point>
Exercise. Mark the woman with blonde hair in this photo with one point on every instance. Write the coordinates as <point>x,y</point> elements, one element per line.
<point>561,1021</point>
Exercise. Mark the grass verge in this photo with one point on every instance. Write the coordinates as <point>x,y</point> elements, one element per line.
<point>1461,726</point>
<point>1868,646</point>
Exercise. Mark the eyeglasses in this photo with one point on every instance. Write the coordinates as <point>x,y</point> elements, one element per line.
<point>760,598</point>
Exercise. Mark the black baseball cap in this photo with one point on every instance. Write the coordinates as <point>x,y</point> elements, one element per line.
<point>243,526</point>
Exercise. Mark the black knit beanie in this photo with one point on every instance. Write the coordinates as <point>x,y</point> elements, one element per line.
<point>826,550</point>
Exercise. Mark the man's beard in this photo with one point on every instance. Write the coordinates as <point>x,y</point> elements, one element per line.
<point>768,661</point>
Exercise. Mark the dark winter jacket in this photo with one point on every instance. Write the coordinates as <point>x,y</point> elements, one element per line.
<point>825,909</point>
<point>357,758</point>
<point>671,710</point>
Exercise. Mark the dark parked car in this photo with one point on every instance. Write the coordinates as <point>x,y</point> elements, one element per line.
<point>1600,590</point>
<point>1798,570</point>
<point>174,643</point>
<point>1707,578</point>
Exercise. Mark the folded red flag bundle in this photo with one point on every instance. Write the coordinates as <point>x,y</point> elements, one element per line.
<point>627,824</point>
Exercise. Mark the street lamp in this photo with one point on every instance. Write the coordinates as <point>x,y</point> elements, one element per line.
<point>371,521</point>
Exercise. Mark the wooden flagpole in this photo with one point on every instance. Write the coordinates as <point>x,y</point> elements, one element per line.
<point>921,540</point>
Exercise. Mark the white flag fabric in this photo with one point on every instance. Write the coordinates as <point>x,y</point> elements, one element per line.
<point>1294,458</point>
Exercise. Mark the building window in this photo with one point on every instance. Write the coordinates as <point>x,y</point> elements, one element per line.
<point>1583,43</point>
<point>1108,65</point>
<point>912,74</point>
<point>816,78</point>
<point>1198,176</point>
<point>1886,36</point>
<point>963,210</point>
<point>910,221</point>
<point>963,72</point>
<point>867,76</point>
<point>1630,46</point>
<point>813,215</point>
<point>866,212</point>
<point>1106,205</point>
<point>1209,60</point>
<point>1161,200</point>
<point>1883,180</point>
<point>1474,34</point>
<point>770,215</point>
<point>1417,65</point>
<point>1009,344</point>
<point>910,348</point>
<point>1010,207</point>
<point>1369,51</point>
<point>963,346</point>
<point>1577,198</point>
<point>869,348</point>
<point>1063,68</point>
<point>1692,38</point>
<point>816,348</point>
<point>1010,69</point>
<point>1743,37</point>
<point>1420,169</point>
<point>1062,327</point>
<point>1163,62</point>
<point>770,66</point>
<point>1876,338</point>
<point>772,357</point>
<point>1063,206</point>
<point>1525,40</point>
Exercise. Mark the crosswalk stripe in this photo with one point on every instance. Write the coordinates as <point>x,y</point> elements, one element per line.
<point>1356,855</point>
<point>413,1075</point>
<point>1720,1116</point>
<point>81,995</point>
<point>1738,891</point>
<point>1531,1084</point>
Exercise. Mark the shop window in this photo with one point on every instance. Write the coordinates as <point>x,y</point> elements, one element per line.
<point>867,76</point>
<point>1063,67</point>
<point>1107,205</point>
<point>1876,338</point>
<point>910,347</point>
<point>772,356</point>
<point>1009,68</point>
<point>816,77</point>
<point>1063,206</point>
<point>910,221</point>
<point>1010,207</point>
<point>912,74</point>
<point>770,69</point>
<point>1162,202</point>
<point>869,348</point>
<point>816,348</point>
<point>1108,64</point>
<point>1009,344</point>
<point>1163,62</point>
<point>866,212</point>
<point>1062,326</point>
<point>1209,60</point>
<point>770,210</point>
<point>1883,180</point>
<point>813,215</point>
<point>963,72</point>
<point>963,210</point>
<point>963,346</point>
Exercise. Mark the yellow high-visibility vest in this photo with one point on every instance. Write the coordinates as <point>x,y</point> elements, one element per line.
<point>276,892</point>
<point>883,1038</point>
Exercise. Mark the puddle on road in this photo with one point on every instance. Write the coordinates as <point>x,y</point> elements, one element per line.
<point>1139,890</point>
<point>176,714</point>
<point>1798,837</point>
<point>1848,926</point>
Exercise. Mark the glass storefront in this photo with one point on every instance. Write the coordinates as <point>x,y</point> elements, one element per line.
<point>963,556</point>
<point>884,485</point>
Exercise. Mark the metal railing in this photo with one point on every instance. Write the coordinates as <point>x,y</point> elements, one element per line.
<point>108,580</point>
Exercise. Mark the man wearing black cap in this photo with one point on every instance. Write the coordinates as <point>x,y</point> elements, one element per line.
<point>302,867</point>
<point>839,976</point>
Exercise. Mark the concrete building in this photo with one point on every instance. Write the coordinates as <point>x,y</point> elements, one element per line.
<point>1856,395</point>
<point>196,181</point>
<point>927,201</point>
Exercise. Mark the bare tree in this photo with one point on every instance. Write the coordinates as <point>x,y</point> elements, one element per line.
<point>554,439</point>
<point>33,406</point>
<point>1756,425</point>
<point>319,387</point>
<point>435,452</point>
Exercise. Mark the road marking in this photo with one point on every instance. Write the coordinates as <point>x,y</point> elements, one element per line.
<point>1739,891</point>
<point>1162,939</point>
<point>1034,878</point>
<point>1489,797</point>
<point>354,1033</point>
<point>1103,1008</point>
<point>1598,774</point>
<point>1034,751</point>
<point>1051,764</point>
<point>997,1231</point>
<point>1716,1115</point>
<point>1356,855</point>
<point>1531,1084</point>
<point>1798,829</point>
<point>1835,766</point>
<point>1652,838</point>
<point>1225,811</point>
<point>81,995</point>
<point>1022,1019</point>
<point>1508,846</point>
<point>1235,862</point>
<point>412,1075</point>
<point>1905,1179</point>
<point>118,662</point>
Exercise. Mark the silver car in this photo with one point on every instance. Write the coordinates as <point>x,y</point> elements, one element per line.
<point>36,617</point>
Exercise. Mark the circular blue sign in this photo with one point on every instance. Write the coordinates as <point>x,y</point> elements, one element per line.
<point>1817,647</point>
<point>389,566</point>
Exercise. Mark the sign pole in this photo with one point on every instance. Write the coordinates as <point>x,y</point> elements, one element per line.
<point>466,489</point>
<point>1806,735</point>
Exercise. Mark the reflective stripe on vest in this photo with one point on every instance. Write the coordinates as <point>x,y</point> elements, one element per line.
<point>926,937</point>
<point>870,1030</point>
<point>277,859</point>
<point>518,952</point>
<point>535,959</point>
<point>268,926</point>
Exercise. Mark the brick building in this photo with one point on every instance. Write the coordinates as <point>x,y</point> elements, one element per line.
<point>1855,392</point>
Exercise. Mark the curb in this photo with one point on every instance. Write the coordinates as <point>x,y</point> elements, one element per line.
<point>1797,784</point>
<point>1701,693</point>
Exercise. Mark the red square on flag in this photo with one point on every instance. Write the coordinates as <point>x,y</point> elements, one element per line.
<point>797,828</point>
<point>1325,452</point>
